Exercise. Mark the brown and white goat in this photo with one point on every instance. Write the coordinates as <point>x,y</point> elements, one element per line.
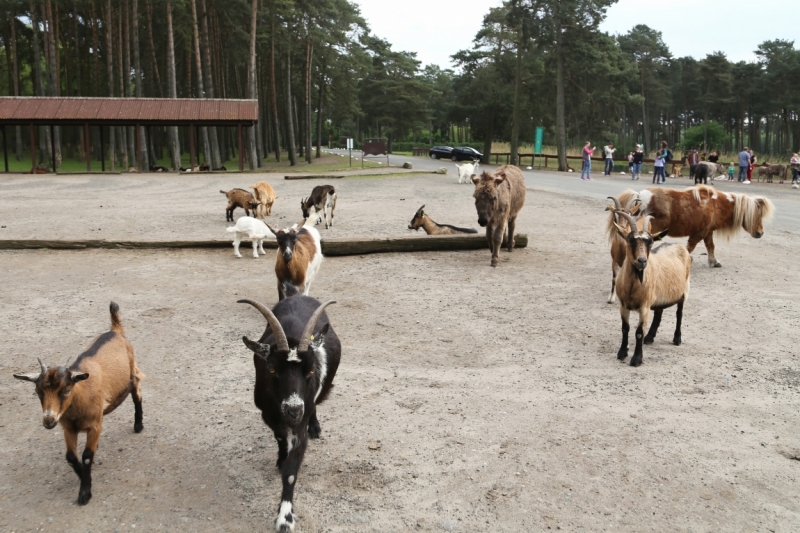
<point>239,198</point>
<point>78,395</point>
<point>265,196</point>
<point>650,281</point>
<point>422,220</point>
<point>320,205</point>
<point>299,257</point>
<point>618,245</point>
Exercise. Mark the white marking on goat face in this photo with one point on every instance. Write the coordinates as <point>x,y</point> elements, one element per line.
<point>285,517</point>
<point>292,357</point>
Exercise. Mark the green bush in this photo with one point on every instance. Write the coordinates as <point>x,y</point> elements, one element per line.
<point>716,137</point>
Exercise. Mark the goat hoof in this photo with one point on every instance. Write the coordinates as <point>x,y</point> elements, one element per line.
<point>636,361</point>
<point>84,496</point>
<point>649,340</point>
<point>138,427</point>
<point>717,265</point>
<point>622,355</point>
<point>676,340</point>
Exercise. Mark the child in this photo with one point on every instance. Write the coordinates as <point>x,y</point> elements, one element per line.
<point>630,163</point>
<point>730,171</point>
<point>658,175</point>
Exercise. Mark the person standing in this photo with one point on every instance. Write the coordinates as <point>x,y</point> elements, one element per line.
<point>638,159</point>
<point>731,171</point>
<point>658,174</point>
<point>587,161</point>
<point>750,167</point>
<point>666,157</point>
<point>694,160</point>
<point>608,153</point>
<point>795,163</point>
<point>713,157</point>
<point>630,163</point>
<point>744,164</point>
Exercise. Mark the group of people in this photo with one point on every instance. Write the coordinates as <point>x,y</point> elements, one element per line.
<point>747,161</point>
<point>635,160</point>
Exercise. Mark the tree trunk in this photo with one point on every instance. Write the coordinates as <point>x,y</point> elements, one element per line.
<point>320,98</point>
<point>125,20</point>
<point>174,145</point>
<point>516,117</point>
<point>252,154</point>
<point>44,133</point>
<point>307,97</point>
<point>137,67</point>
<point>272,87</point>
<point>15,62</point>
<point>216,160</point>
<point>561,122</point>
<point>110,69</point>
<point>200,88</point>
<point>645,121</point>
<point>52,68</point>
<point>153,62</point>
<point>290,141</point>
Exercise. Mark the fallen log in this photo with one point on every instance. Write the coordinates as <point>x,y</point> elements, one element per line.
<point>315,177</point>
<point>331,247</point>
<point>428,243</point>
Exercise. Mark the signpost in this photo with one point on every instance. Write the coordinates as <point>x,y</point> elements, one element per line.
<point>537,145</point>
<point>350,149</point>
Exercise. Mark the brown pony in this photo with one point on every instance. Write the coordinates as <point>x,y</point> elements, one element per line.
<point>498,200</point>
<point>699,211</point>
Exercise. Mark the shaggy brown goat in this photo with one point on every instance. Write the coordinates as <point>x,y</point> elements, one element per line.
<point>78,395</point>
<point>265,196</point>
<point>422,220</point>
<point>650,282</point>
<point>499,197</point>
<point>618,245</point>
<point>239,198</point>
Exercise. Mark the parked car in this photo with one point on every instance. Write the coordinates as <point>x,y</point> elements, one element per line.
<point>440,152</point>
<point>465,153</point>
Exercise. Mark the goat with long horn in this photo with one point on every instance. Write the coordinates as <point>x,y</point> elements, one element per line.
<point>296,359</point>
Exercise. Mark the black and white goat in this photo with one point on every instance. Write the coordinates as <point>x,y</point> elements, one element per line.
<point>296,360</point>
<point>320,205</point>
<point>650,281</point>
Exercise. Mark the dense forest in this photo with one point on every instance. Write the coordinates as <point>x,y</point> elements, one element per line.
<point>319,73</point>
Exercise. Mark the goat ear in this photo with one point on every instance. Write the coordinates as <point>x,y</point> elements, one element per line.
<point>261,350</point>
<point>498,181</point>
<point>78,376</point>
<point>475,179</point>
<point>621,231</point>
<point>660,235</point>
<point>28,377</point>
<point>273,230</point>
<point>319,338</point>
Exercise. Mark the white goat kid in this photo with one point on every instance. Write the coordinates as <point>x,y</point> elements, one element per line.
<point>466,171</point>
<point>250,229</point>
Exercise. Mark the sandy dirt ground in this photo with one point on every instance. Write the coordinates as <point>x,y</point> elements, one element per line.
<point>468,398</point>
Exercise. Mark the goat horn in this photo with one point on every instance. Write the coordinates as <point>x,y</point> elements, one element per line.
<point>42,365</point>
<point>275,326</point>
<point>646,226</point>
<point>66,363</point>
<point>617,205</point>
<point>305,338</point>
<point>631,222</point>
<point>632,202</point>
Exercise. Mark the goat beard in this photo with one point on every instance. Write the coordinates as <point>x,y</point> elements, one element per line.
<point>639,274</point>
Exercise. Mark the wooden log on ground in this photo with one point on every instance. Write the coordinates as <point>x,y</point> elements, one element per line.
<point>428,243</point>
<point>315,177</point>
<point>330,247</point>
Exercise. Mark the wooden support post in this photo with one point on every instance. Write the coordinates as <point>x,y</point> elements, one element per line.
<point>191,146</point>
<point>33,149</point>
<point>87,147</point>
<point>102,150</point>
<point>53,147</point>
<point>241,152</point>
<point>137,132</point>
<point>5,149</point>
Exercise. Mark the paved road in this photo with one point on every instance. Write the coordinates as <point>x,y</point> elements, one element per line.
<point>786,199</point>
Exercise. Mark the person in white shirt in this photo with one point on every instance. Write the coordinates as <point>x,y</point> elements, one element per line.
<point>608,153</point>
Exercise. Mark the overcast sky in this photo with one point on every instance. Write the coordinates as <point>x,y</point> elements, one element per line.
<point>436,29</point>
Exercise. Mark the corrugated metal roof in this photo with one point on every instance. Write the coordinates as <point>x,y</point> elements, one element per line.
<point>146,111</point>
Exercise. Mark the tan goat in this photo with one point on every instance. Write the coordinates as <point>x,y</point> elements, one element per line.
<point>618,245</point>
<point>78,395</point>
<point>265,196</point>
<point>650,281</point>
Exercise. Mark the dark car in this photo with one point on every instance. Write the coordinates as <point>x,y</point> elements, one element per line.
<point>440,152</point>
<point>465,153</point>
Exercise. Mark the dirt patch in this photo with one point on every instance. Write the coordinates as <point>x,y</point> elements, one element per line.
<point>495,394</point>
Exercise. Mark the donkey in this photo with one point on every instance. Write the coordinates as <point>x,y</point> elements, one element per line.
<point>499,197</point>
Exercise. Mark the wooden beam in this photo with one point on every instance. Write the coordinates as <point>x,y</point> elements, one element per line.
<point>191,146</point>
<point>53,147</point>
<point>87,147</point>
<point>330,247</point>
<point>5,149</point>
<point>241,153</point>
<point>33,149</point>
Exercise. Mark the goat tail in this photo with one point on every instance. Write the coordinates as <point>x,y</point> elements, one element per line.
<point>231,228</point>
<point>289,289</point>
<point>116,320</point>
<point>223,192</point>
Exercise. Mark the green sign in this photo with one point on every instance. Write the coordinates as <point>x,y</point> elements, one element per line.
<point>538,143</point>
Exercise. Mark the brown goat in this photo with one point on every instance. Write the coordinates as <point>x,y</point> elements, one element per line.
<point>265,196</point>
<point>422,220</point>
<point>78,395</point>
<point>499,197</point>
<point>239,198</point>
<point>618,244</point>
<point>299,258</point>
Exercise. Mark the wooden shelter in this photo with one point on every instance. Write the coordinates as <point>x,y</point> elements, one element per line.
<point>137,112</point>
